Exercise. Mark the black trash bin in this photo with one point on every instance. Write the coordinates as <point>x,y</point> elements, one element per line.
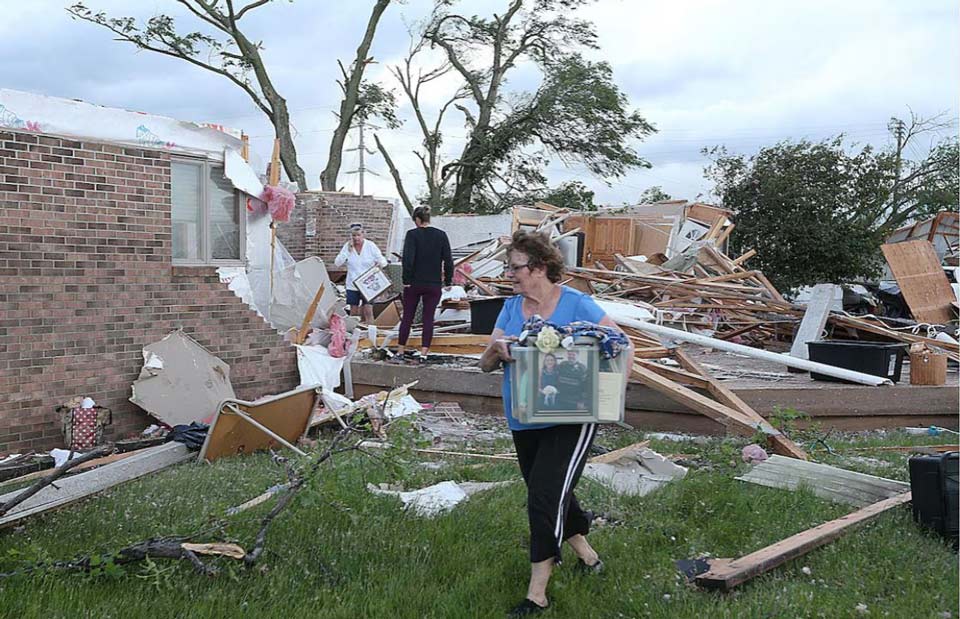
<point>483,314</point>
<point>875,358</point>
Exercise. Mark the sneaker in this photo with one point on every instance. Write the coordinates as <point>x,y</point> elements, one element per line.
<point>583,568</point>
<point>526,608</point>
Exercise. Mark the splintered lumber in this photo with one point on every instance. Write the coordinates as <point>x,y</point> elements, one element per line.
<point>746,256</point>
<point>76,487</point>
<point>825,481</point>
<point>925,286</point>
<point>778,442</point>
<point>726,574</point>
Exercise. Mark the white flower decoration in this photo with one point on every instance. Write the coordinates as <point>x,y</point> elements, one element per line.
<point>548,340</point>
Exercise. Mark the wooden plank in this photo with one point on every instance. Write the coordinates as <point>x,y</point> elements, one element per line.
<point>825,481</point>
<point>814,319</point>
<point>778,442</point>
<point>76,487</point>
<point>308,317</point>
<point>616,454</point>
<point>733,419</point>
<point>746,256</point>
<point>921,279</point>
<point>728,574</point>
<point>80,467</point>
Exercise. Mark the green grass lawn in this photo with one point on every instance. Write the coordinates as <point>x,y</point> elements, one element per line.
<point>340,551</point>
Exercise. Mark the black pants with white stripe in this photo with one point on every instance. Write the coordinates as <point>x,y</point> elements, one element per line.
<point>551,460</point>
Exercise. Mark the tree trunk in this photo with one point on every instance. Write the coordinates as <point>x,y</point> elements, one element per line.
<point>351,93</point>
<point>288,151</point>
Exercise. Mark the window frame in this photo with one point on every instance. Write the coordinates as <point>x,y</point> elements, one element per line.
<point>206,168</point>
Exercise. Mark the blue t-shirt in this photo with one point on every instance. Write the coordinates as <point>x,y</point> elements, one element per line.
<point>572,306</point>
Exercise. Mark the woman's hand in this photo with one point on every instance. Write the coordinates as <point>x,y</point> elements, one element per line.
<point>497,352</point>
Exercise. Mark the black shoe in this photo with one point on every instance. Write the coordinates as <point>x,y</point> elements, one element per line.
<point>526,608</point>
<point>583,568</point>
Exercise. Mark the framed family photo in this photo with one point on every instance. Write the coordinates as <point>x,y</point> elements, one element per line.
<point>560,386</point>
<point>372,283</point>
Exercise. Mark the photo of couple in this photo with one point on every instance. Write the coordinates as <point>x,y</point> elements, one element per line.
<point>564,382</point>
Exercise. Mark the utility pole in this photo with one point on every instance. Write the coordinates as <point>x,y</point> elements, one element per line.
<point>896,126</point>
<point>361,167</point>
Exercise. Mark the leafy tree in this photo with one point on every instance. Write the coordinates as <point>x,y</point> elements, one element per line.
<point>230,53</point>
<point>577,113</point>
<point>654,194</point>
<point>818,211</point>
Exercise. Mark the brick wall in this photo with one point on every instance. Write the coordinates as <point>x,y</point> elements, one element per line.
<point>332,213</point>
<point>86,281</point>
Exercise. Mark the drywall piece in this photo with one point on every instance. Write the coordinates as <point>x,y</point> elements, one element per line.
<point>240,174</point>
<point>76,487</point>
<point>814,318</point>
<point>827,482</point>
<point>924,285</point>
<point>638,475</point>
<point>293,291</point>
<point>285,414</point>
<point>726,574</point>
<point>181,381</point>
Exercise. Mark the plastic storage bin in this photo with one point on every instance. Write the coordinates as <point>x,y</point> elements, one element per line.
<point>483,314</point>
<point>572,385</point>
<point>874,358</point>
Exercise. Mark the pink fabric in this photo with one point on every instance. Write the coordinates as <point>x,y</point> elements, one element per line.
<point>338,340</point>
<point>279,201</point>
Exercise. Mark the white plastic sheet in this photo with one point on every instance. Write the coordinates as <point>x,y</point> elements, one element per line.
<point>317,367</point>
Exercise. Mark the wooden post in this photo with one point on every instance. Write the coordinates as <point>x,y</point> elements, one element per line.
<point>305,325</point>
<point>274,180</point>
<point>245,147</point>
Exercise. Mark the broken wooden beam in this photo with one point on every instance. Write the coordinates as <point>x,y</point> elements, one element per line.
<point>725,574</point>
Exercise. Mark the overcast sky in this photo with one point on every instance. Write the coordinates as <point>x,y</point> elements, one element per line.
<point>742,73</point>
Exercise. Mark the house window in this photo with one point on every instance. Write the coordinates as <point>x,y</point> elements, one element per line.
<point>207,226</point>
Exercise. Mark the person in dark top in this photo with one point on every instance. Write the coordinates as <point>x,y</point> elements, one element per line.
<point>571,383</point>
<point>427,268</point>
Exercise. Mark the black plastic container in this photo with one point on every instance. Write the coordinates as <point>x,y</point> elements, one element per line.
<point>483,314</point>
<point>934,487</point>
<point>874,358</point>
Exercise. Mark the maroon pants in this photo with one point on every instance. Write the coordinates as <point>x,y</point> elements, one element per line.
<point>411,298</point>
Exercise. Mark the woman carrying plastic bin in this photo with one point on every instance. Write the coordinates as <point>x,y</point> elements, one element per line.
<point>551,457</point>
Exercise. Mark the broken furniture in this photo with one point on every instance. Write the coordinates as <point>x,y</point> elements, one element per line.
<point>243,427</point>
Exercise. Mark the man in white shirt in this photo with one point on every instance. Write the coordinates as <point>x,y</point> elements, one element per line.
<point>359,255</point>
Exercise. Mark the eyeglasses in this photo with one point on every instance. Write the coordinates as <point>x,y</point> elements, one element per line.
<point>513,268</point>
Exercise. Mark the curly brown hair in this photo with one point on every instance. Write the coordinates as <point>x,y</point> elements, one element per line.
<point>540,251</point>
